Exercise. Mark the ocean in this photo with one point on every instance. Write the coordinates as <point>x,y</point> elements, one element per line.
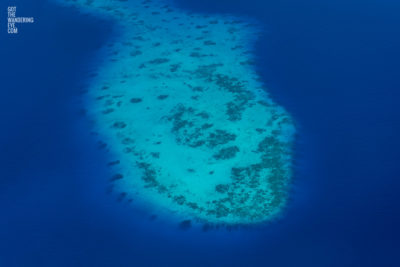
<point>332,65</point>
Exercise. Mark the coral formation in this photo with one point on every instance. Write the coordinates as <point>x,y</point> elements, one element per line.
<point>190,126</point>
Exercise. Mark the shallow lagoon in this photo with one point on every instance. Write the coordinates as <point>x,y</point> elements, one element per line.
<point>345,216</point>
<point>190,127</point>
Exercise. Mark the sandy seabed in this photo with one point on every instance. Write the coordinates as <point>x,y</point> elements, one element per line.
<point>190,126</point>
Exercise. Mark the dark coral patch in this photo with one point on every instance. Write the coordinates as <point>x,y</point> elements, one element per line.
<point>159,61</point>
<point>226,153</point>
<point>116,177</point>
<point>162,97</point>
<point>119,125</point>
<point>136,100</point>
<point>219,137</point>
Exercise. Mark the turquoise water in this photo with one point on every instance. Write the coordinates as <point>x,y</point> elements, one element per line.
<point>192,131</point>
<point>332,65</point>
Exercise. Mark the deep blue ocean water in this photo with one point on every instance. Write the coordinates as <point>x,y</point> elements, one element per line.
<point>334,65</point>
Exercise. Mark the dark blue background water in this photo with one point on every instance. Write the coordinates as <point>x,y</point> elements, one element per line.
<point>333,64</point>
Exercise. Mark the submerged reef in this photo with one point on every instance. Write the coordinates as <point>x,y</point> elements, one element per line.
<point>190,126</point>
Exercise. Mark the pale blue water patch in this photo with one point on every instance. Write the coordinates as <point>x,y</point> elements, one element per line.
<point>347,216</point>
<point>181,115</point>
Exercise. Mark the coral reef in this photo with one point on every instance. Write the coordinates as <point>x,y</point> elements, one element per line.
<point>189,124</point>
